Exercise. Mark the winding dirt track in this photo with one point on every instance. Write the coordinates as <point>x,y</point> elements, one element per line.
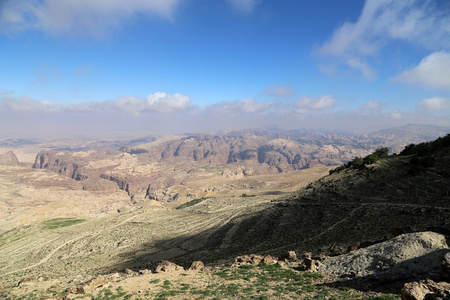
<point>48,256</point>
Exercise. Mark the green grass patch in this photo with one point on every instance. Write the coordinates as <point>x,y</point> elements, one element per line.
<point>192,203</point>
<point>61,222</point>
<point>216,169</point>
<point>247,196</point>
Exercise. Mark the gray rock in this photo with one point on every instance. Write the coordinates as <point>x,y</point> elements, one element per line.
<point>413,254</point>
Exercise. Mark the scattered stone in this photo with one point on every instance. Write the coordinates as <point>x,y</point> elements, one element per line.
<point>289,256</point>
<point>311,264</point>
<point>268,259</point>
<point>96,282</point>
<point>79,291</point>
<point>197,266</point>
<point>445,268</point>
<point>252,259</point>
<point>144,272</point>
<point>256,259</point>
<point>130,272</point>
<point>243,259</point>
<point>281,263</point>
<point>26,281</point>
<point>114,276</point>
<point>167,266</point>
<point>75,290</point>
<point>426,289</point>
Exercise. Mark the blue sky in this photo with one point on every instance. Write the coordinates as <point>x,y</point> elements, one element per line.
<point>204,65</point>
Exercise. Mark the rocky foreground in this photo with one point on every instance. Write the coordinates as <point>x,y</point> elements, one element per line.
<point>415,265</point>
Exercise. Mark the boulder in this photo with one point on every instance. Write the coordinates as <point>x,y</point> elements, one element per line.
<point>268,260</point>
<point>144,272</point>
<point>94,283</point>
<point>426,289</point>
<point>197,266</point>
<point>310,264</point>
<point>243,259</point>
<point>167,266</point>
<point>256,259</point>
<point>27,281</point>
<point>289,256</point>
<point>129,272</point>
<point>408,257</point>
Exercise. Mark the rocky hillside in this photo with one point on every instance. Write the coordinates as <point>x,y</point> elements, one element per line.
<point>348,209</point>
<point>361,203</point>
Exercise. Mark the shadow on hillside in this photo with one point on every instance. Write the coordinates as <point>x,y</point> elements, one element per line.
<point>392,279</point>
<point>329,229</point>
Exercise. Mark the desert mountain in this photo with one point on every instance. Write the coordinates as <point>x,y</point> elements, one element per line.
<point>148,168</point>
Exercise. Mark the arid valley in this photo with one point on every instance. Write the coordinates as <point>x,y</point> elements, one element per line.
<point>91,207</point>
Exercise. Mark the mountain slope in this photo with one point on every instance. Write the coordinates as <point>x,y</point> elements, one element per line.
<point>349,208</point>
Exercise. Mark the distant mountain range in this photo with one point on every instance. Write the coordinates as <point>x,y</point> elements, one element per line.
<point>258,151</point>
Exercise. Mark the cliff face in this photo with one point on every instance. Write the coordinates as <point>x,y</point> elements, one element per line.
<point>8,158</point>
<point>144,169</point>
<point>147,169</point>
<point>284,154</point>
<point>47,160</point>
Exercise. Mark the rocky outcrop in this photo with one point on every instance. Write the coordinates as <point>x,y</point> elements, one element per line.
<point>167,266</point>
<point>64,165</point>
<point>197,266</point>
<point>408,256</point>
<point>426,289</point>
<point>8,158</point>
<point>289,256</point>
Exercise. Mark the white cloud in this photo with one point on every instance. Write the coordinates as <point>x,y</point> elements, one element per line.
<point>373,105</point>
<point>241,106</point>
<point>158,102</point>
<point>432,71</point>
<point>163,102</point>
<point>82,17</point>
<point>244,5</point>
<point>319,103</point>
<point>283,91</point>
<point>362,66</point>
<point>26,104</point>
<point>435,103</point>
<point>396,114</point>
<point>382,21</point>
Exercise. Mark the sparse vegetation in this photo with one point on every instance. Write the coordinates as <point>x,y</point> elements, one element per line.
<point>61,222</point>
<point>191,203</point>
<point>247,196</point>
<point>358,162</point>
<point>360,193</point>
<point>213,169</point>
